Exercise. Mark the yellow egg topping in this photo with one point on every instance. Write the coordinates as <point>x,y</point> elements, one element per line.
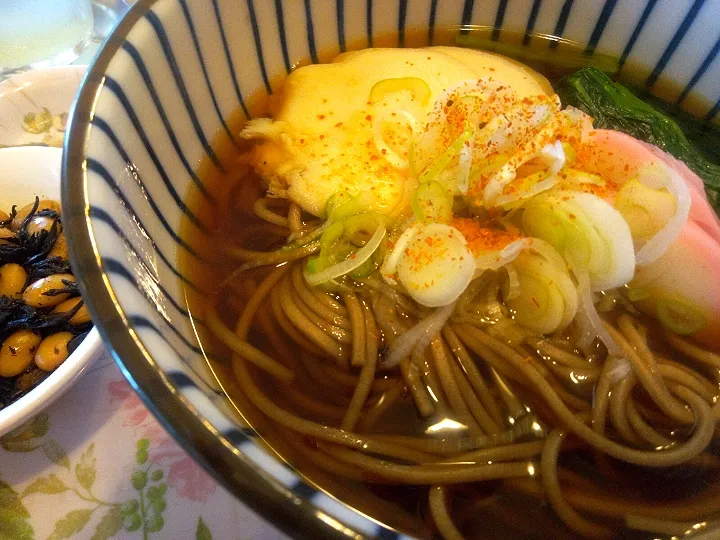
<point>323,137</point>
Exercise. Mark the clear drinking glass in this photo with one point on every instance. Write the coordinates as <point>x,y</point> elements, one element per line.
<point>35,33</point>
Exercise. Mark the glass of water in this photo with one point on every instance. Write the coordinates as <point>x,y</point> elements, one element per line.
<point>37,33</point>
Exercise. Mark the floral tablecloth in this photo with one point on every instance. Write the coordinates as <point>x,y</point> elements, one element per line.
<point>97,465</point>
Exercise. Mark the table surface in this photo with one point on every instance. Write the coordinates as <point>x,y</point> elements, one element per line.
<point>96,464</point>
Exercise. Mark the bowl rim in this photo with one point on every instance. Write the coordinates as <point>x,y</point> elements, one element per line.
<point>60,380</point>
<point>295,515</point>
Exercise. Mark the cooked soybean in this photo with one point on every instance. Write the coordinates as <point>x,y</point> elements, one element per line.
<point>60,248</point>
<point>5,235</point>
<point>40,223</point>
<point>53,351</point>
<point>25,211</point>
<point>81,316</point>
<point>18,352</point>
<point>43,292</point>
<point>12,280</point>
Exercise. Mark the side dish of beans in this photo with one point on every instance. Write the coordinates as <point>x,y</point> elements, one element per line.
<point>42,316</point>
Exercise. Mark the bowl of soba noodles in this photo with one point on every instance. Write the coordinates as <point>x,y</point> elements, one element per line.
<point>411,269</point>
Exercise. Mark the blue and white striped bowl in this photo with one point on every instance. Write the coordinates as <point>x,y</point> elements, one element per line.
<point>161,88</point>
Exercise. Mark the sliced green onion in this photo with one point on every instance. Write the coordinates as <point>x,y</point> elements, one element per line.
<point>512,289</point>
<point>365,269</point>
<point>314,265</point>
<point>591,235</point>
<point>392,157</point>
<point>662,176</point>
<point>494,259</point>
<point>533,301</point>
<point>680,316</point>
<point>389,267</point>
<point>415,85</point>
<point>597,230</point>
<point>360,227</point>
<point>354,261</point>
<point>531,185</point>
<point>342,205</point>
<point>331,234</point>
<point>636,294</point>
<point>329,237</point>
<point>574,178</point>
<point>340,239</point>
<point>432,203</point>
<point>437,166</point>
<point>546,298</point>
<point>412,166</point>
<point>487,165</point>
<point>589,324</point>
<point>464,165</point>
<point>646,209</point>
<point>333,201</point>
<point>523,132</point>
<point>436,266</point>
<point>543,219</point>
<point>570,153</point>
<point>419,336</point>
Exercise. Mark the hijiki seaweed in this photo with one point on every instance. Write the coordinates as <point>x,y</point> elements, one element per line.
<point>31,248</point>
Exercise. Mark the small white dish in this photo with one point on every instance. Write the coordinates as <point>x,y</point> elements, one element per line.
<point>34,105</point>
<point>26,172</point>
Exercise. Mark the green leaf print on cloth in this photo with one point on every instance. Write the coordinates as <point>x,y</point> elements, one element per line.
<point>85,469</point>
<point>142,513</point>
<point>146,512</point>
<point>73,522</point>
<point>56,454</point>
<point>203,532</point>
<point>14,524</point>
<point>109,525</point>
<point>49,485</point>
<point>24,438</point>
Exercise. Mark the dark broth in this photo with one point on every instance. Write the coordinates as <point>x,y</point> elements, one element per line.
<point>488,510</point>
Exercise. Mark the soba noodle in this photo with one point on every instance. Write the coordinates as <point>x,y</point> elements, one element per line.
<point>512,400</point>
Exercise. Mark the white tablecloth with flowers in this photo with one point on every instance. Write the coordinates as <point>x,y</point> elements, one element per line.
<point>97,465</point>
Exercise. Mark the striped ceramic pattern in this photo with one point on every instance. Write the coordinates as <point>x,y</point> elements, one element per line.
<point>163,86</point>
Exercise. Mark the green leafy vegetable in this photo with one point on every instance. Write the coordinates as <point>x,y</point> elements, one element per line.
<point>704,135</point>
<point>615,107</point>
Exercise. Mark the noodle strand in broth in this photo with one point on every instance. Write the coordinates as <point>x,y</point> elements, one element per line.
<point>493,443</point>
